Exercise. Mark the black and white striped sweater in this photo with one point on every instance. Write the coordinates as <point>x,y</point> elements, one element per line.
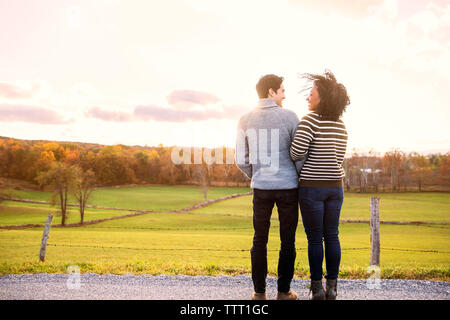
<point>326,144</point>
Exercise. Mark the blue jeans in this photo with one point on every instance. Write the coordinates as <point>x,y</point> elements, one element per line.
<point>320,209</point>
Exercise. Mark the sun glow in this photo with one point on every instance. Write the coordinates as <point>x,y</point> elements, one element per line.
<point>183,72</point>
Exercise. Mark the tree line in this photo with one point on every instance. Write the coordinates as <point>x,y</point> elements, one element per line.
<point>120,164</point>
<point>396,171</point>
<point>112,165</point>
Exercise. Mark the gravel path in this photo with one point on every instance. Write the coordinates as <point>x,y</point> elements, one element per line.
<point>165,287</point>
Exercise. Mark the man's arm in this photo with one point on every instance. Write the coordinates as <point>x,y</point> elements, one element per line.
<point>242,151</point>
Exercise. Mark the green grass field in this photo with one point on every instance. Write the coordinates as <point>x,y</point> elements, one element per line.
<point>217,239</point>
<point>411,206</point>
<point>155,197</point>
<point>17,213</point>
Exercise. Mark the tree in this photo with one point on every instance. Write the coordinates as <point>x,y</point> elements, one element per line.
<point>84,185</point>
<point>392,162</point>
<point>421,168</point>
<point>73,157</point>
<point>374,163</point>
<point>444,170</point>
<point>17,161</point>
<point>346,167</point>
<point>112,166</point>
<point>3,186</point>
<point>62,178</point>
<point>141,165</point>
<point>364,175</point>
<point>200,174</point>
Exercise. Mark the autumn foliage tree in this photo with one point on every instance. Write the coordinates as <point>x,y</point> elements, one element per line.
<point>421,168</point>
<point>112,166</point>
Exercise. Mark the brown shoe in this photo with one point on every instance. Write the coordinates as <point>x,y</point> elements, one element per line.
<point>259,296</point>
<point>290,295</point>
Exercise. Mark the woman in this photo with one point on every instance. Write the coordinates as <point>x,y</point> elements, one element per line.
<point>322,134</point>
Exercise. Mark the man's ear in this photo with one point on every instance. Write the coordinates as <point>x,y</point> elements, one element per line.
<point>271,93</point>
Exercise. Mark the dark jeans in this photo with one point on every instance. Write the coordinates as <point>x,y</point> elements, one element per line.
<point>320,209</point>
<point>287,204</point>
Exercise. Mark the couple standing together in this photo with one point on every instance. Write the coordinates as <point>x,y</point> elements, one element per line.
<point>292,163</point>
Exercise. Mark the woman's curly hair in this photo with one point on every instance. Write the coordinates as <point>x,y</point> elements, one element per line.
<point>333,95</point>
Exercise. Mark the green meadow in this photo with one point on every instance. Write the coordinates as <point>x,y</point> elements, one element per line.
<point>17,213</point>
<point>408,207</point>
<point>216,239</point>
<point>155,197</point>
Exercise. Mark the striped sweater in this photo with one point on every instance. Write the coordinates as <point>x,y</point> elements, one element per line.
<point>325,142</point>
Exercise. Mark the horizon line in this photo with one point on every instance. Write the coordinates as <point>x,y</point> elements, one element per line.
<point>348,153</point>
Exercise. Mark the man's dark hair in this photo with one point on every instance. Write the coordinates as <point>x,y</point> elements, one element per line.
<point>333,95</point>
<point>269,81</point>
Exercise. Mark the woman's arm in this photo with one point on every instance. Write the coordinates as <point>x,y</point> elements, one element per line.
<point>303,138</point>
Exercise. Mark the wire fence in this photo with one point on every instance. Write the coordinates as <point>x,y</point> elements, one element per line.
<point>177,229</point>
<point>95,226</point>
<point>204,249</point>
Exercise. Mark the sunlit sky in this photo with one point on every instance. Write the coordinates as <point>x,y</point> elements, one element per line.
<point>182,72</point>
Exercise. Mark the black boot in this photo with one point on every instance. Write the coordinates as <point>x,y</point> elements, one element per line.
<point>331,290</point>
<point>317,290</point>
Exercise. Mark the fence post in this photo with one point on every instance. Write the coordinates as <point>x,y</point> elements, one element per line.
<point>48,223</point>
<point>375,231</point>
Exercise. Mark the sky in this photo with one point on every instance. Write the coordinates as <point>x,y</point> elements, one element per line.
<point>182,72</point>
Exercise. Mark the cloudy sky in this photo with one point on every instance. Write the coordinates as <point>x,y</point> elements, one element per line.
<point>182,72</point>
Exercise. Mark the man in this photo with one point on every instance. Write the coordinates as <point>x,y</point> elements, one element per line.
<point>263,143</point>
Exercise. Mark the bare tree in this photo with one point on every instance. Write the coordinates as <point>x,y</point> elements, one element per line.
<point>200,175</point>
<point>405,170</point>
<point>375,166</point>
<point>364,173</point>
<point>392,163</point>
<point>227,169</point>
<point>62,177</point>
<point>83,188</point>
<point>347,170</point>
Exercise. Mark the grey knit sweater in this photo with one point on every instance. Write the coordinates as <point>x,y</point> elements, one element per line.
<point>263,146</point>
